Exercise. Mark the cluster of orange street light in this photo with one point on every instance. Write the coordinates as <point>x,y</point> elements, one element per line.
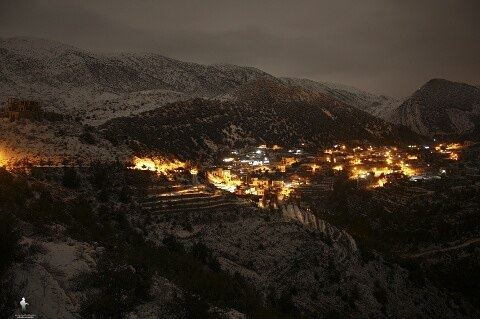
<point>376,163</point>
<point>162,166</point>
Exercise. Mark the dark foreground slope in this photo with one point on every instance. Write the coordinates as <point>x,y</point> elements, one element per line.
<point>89,250</point>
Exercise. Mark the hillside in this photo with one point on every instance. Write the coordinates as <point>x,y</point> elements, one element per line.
<point>442,108</point>
<point>261,111</point>
<point>47,142</point>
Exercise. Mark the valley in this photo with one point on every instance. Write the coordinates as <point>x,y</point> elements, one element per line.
<point>133,185</point>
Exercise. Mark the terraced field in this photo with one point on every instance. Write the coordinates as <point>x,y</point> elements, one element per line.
<point>198,198</point>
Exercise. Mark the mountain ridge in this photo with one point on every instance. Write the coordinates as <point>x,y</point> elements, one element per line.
<point>377,105</point>
<point>263,111</point>
<point>76,81</point>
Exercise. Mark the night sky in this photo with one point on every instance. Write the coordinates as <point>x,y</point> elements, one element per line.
<point>387,47</point>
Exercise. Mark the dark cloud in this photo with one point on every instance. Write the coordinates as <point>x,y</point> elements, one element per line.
<point>383,46</point>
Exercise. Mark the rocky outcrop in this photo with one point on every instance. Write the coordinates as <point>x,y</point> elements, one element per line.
<point>307,218</point>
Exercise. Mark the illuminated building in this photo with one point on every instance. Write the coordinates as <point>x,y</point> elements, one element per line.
<point>160,165</point>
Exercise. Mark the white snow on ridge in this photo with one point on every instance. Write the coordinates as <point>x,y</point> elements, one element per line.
<point>95,87</point>
<point>377,105</point>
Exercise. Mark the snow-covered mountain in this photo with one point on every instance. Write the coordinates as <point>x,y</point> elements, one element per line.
<point>377,105</point>
<point>95,87</point>
<point>441,108</point>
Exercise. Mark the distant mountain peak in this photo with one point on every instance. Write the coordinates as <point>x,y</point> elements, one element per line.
<point>439,84</point>
<point>442,108</point>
